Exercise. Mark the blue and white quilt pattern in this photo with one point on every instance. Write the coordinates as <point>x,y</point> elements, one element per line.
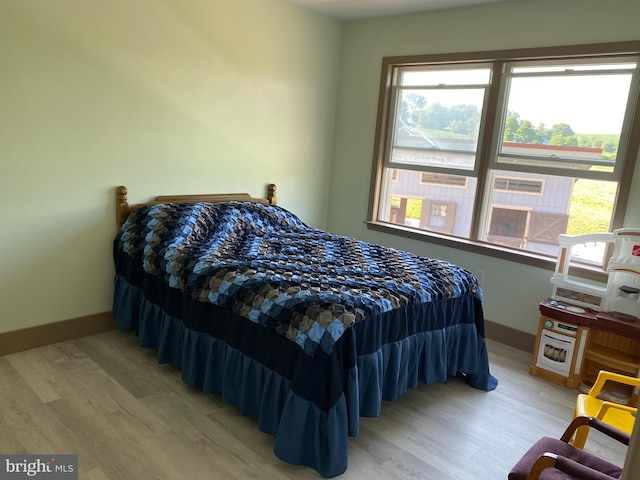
<point>266,265</point>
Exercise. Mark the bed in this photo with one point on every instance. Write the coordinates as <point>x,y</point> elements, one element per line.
<point>303,329</point>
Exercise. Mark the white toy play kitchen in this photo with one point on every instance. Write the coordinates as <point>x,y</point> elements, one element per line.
<point>622,292</point>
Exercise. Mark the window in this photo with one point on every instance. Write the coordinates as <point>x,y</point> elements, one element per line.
<point>509,149</point>
<point>508,226</point>
<point>430,178</point>
<point>440,216</point>
<point>520,185</point>
<point>405,210</point>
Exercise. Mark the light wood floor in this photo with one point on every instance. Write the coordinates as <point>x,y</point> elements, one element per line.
<point>106,399</point>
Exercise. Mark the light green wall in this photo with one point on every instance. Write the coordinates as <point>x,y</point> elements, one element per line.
<point>512,291</point>
<point>162,96</point>
<point>204,96</point>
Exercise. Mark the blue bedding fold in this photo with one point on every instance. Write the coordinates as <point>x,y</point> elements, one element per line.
<point>340,350</point>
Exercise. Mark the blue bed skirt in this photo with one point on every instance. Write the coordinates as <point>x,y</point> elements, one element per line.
<point>289,396</point>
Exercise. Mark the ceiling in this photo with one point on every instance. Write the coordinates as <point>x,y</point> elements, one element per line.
<point>352,9</point>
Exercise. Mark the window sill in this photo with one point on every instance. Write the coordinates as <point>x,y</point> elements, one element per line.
<point>490,250</point>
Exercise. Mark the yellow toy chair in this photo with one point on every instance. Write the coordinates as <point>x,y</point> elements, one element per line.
<point>619,416</point>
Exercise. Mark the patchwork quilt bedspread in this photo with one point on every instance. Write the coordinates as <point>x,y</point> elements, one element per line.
<point>266,265</point>
<point>303,329</point>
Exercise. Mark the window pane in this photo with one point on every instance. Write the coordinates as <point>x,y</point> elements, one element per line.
<point>445,205</point>
<point>457,160</point>
<point>519,218</point>
<point>588,67</point>
<point>421,77</point>
<point>561,106</point>
<point>555,156</point>
<point>437,116</point>
<point>441,119</point>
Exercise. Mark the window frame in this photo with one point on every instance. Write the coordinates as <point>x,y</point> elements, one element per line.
<point>487,145</point>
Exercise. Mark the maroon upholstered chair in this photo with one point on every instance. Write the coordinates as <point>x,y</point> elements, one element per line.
<point>553,459</point>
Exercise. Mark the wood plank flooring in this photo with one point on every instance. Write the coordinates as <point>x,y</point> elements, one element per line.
<point>106,399</point>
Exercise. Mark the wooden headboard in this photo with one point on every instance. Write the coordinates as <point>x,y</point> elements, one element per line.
<point>123,209</point>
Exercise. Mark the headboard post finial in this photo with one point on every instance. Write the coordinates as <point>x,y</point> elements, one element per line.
<point>272,194</point>
<point>122,205</point>
<point>122,194</point>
